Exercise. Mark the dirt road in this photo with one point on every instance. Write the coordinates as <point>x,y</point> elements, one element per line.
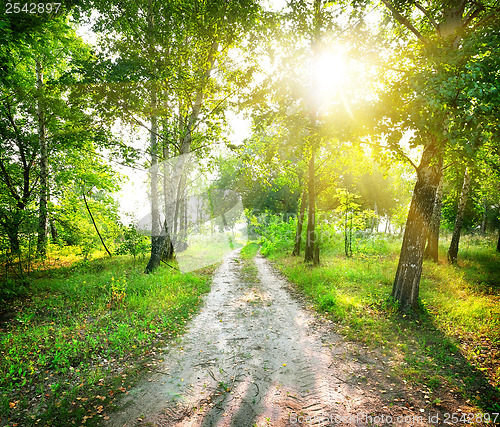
<point>255,356</point>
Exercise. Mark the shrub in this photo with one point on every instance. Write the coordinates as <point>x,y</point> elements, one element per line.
<point>276,234</point>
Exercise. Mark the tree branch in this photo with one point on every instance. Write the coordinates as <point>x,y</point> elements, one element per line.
<point>493,14</point>
<point>427,14</point>
<point>93,222</point>
<point>8,182</point>
<point>402,20</point>
<point>472,14</point>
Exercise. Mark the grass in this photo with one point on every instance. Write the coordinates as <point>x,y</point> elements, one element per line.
<point>452,343</point>
<point>206,250</point>
<point>249,270</point>
<point>82,334</point>
<point>249,250</point>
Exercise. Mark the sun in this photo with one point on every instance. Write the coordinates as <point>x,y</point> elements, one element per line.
<point>330,69</point>
<point>329,74</point>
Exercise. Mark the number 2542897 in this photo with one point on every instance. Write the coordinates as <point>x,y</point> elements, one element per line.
<point>35,8</point>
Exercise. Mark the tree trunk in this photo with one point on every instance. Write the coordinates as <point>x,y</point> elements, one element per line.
<point>41,246</point>
<point>157,240</point>
<point>162,249</point>
<point>311,213</point>
<point>13,234</point>
<point>432,249</point>
<point>162,245</point>
<point>168,253</point>
<point>374,219</point>
<point>498,243</point>
<point>300,223</point>
<point>407,281</point>
<point>484,221</point>
<point>455,238</point>
<point>310,254</point>
<point>316,255</point>
<point>53,230</point>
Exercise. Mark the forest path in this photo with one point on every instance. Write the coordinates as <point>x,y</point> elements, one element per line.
<point>254,356</point>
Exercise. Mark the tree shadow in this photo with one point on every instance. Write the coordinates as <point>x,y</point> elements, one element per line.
<point>429,350</point>
<point>484,272</point>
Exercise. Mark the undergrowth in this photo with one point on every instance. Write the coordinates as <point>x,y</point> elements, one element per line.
<point>452,342</point>
<point>82,333</point>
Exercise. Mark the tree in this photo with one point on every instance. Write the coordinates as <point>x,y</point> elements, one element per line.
<point>44,115</point>
<point>168,52</point>
<point>303,102</point>
<point>455,238</point>
<point>431,250</point>
<point>435,107</point>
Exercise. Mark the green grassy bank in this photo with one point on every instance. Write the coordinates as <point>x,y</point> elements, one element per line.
<point>451,343</point>
<point>81,334</point>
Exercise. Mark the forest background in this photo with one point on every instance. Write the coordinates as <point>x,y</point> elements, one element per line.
<point>373,150</point>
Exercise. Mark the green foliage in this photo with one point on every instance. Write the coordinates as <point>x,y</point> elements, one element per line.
<point>249,250</point>
<point>78,325</point>
<point>36,74</point>
<point>133,243</point>
<point>11,288</point>
<point>276,232</point>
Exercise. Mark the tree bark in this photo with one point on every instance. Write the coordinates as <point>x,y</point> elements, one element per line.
<point>41,246</point>
<point>156,238</point>
<point>300,223</point>
<point>310,254</point>
<point>311,213</point>
<point>432,249</point>
<point>484,220</point>
<point>12,229</point>
<point>455,238</point>
<point>53,230</point>
<point>407,281</point>
<point>162,249</point>
<point>162,245</point>
<point>374,219</point>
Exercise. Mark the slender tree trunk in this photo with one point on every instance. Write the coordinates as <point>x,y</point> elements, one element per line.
<point>407,281</point>
<point>95,225</point>
<point>157,239</point>
<point>485,217</point>
<point>498,243</point>
<point>310,253</point>
<point>432,249</point>
<point>185,227</point>
<point>374,219</point>
<point>53,230</point>
<point>455,238</point>
<point>41,246</point>
<point>311,213</point>
<point>13,234</point>
<point>167,244</point>
<point>162,246</point>
<point>300,223</point>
